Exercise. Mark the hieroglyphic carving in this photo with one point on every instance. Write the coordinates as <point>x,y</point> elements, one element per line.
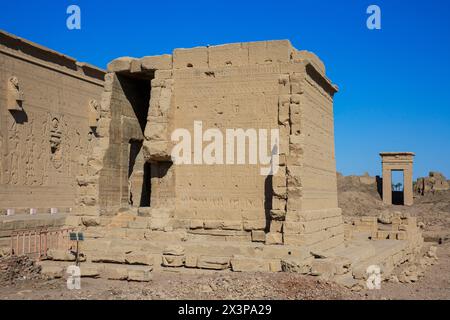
<point>14,95</point>
<point>94,113</point>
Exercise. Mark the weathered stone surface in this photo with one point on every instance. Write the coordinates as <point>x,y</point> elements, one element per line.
<point>173,261</point>
<point>52,272</point>
<point>140,275</point>
<point>139,258</point>
<point>115,272</point>
<point>254,224</point>
<point>216,263</point>
<point>275,266</point>
<point>296,265</point>
<point>174,250</point>
<point>191,261</point>
<point>138,224</point>
<point>324,268</point>
<point>258,236</point>
<point>60,255</point>
<point>249,264</point>
<point>120,64</point>
<point>274,238</point>
<point>156,62</point>
<point>89,270</point>
<point>90,221</point>
<point>107,257</point>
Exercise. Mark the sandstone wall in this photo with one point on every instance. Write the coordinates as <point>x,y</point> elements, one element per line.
<point>47,107</point>
<point>257,85</point>
<point>224,97</point>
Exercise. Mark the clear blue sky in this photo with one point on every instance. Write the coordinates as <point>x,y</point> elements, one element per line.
<point>394,82</point>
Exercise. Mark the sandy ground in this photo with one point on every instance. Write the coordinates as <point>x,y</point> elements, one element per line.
<point>434,285</point>
<point>169,285</point>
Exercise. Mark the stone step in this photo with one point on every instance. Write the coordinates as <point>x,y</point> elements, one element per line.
<point>225,249</point>
<point>111,271</point>
<point>388,254</point>
<point>354,251</point>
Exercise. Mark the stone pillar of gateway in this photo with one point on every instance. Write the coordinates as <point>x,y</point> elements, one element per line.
<point>260,85</point>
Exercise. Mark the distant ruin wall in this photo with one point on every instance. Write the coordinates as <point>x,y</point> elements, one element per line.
<point>47,123</point>
<point>435,182</point>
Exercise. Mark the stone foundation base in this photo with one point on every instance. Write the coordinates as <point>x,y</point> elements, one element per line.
<point>157,242</point>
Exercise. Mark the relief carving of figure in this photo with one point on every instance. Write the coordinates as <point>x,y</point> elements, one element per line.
<point>15,95</point>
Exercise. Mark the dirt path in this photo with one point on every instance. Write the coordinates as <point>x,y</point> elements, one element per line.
<point>168,285</point>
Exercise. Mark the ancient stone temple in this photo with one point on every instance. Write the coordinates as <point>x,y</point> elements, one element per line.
<point>98,157</point>
<point>250,85</point>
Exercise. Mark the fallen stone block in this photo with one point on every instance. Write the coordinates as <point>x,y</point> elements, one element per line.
<point>294,265</point>
<point>173,261</point>
<point>215,263</point>
<point>141,275</point>
<point>115,272</point>
<point>190,261</point>
<point>108,257</point>
<point>60,255</point>
<point>52,272</point>
<point>249,265</point>
<point>139,258</point>
<point>89,270</point>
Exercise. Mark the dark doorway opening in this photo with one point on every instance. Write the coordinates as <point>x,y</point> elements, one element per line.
<point>136,90</point>
<point>146,186</point>
<point>397,183</point>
